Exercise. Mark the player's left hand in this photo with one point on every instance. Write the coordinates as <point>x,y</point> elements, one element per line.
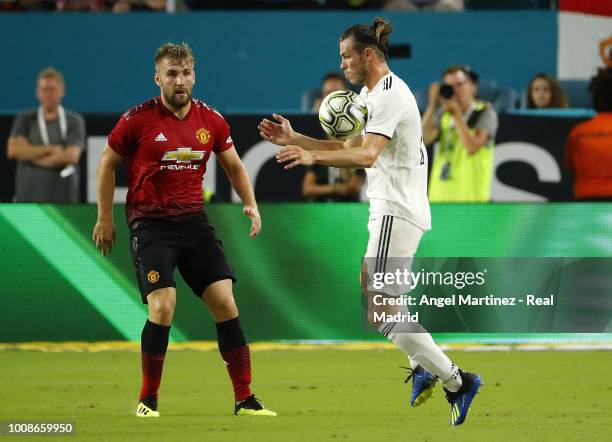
<point>296,155</point>
<point>253,213</point>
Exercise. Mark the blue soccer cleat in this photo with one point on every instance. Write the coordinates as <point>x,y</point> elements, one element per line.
<point>423,383</point>
<point>461,400</point>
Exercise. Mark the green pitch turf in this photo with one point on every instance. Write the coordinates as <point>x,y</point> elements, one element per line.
<point>320,395</point>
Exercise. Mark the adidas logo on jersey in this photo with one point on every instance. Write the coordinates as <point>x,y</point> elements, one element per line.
<point>161,137</point>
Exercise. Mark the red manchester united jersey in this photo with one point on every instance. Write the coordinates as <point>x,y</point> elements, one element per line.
<point>166,157</point>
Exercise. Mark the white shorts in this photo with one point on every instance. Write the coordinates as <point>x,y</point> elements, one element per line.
<point>392,237</point>
<point>392,244</point>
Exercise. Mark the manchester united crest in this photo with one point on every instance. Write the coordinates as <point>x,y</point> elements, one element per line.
<point>203,135</point>
<point>153,276</point>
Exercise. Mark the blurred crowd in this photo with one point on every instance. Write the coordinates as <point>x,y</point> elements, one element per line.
<point>182,5</point>
<point>82,5</point>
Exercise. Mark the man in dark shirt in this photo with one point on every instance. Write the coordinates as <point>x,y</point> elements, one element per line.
<point>330,184</point>
<point>47,143</point>
<point>166,142</point>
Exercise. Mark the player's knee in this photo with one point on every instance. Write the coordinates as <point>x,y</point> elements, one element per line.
<point>162,310</point>
<point>219,299</point>
<point>224,305</point>
<point>166,310</point>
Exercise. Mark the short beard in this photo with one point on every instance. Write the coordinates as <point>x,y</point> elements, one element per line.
<point>176,103</point>
<point>363,75</point>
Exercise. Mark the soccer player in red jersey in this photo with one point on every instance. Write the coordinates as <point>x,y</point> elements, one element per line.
<point>165,143</point>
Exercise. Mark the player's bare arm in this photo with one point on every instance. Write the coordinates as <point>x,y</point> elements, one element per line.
<point>104,230</point>
<point>282,134</point>
<point>361,156</point>
<point>237,174</point>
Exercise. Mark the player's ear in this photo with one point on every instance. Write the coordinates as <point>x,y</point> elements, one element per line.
<point>157,79</point>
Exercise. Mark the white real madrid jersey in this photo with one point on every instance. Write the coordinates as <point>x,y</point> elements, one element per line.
<point>397,181</point>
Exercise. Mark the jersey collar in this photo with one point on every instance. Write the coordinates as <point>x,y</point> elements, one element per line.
<point>378,84</point>
<point>170,113</point>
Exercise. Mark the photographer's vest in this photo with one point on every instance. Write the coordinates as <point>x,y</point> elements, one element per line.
<point>457,176</point>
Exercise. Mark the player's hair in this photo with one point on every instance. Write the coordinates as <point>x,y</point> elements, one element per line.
<point>467,70</point>
<point>601,90</point>
<point>50,72</point>
<point>558,99</point>
<point>175,53</point>
<point>375,36</point>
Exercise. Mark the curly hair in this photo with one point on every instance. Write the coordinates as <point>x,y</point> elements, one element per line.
<point>375,36</point>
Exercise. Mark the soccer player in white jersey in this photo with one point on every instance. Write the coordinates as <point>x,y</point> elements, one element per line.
<point>392,151</point>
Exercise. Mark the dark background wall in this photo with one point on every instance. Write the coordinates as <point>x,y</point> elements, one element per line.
<point>529,156</point>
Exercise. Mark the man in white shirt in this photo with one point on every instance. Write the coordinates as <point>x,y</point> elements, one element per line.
<point>395,159</point>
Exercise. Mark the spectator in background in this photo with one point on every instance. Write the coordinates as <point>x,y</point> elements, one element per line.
<point>83,5</point>
<point>78,5</point>
<point>588,152</point>
<point>544,92</point>
<point>463,129</point>
<point>423,5</point>
<point>331,82</point>
<point>10,6</point>
<point>139,5</point>
<point>322,183</point>
<point>47,143</point>
<point>329,184</point>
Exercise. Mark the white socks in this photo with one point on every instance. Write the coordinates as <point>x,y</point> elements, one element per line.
<point>422,350</point>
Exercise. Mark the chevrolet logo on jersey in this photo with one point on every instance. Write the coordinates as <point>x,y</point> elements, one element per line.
<point>183,155</point>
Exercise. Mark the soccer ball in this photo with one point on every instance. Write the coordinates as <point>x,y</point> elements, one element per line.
<point>343,114</point>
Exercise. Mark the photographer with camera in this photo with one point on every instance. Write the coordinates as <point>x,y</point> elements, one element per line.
<point>463,129</point>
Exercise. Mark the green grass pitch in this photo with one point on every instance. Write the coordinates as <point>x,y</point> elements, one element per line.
<point>320,395</point>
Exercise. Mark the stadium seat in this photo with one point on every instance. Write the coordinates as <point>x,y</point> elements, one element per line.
<point>506,99</point>
<point>487,89</point>
<point>577,92</point>
<point>503,99</point>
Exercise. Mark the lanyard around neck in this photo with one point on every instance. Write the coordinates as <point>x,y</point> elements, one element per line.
<point>42,125</point>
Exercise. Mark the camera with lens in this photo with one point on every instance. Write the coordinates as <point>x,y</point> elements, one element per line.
<point>446,91</point>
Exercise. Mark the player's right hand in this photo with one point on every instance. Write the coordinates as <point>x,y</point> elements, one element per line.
<point>280,133</point>
<point>104,236</point>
